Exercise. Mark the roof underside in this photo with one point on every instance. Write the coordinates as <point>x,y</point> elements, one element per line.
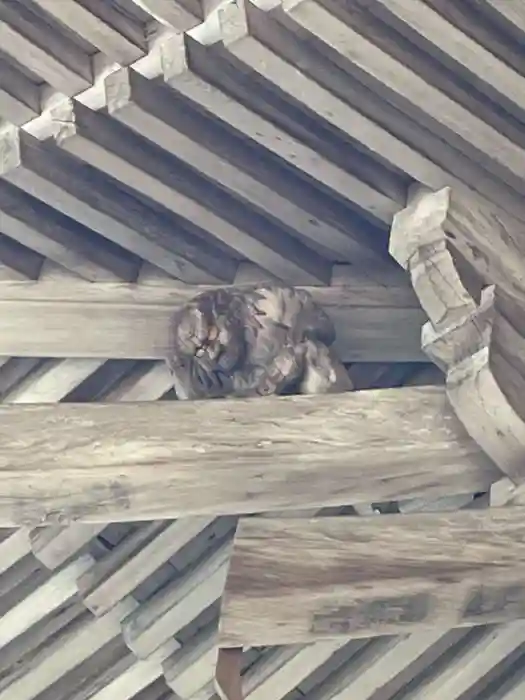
<point>274,140</point>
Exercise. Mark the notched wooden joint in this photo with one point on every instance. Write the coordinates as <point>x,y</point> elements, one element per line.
<point>457,337</point>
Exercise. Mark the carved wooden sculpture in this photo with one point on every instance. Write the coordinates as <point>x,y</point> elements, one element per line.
<point>254,342</point>
<point>457,336</point>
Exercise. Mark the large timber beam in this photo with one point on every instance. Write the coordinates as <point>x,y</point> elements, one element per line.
<point>102,462</point>
<point>292,581</point>
<point>374,323</point>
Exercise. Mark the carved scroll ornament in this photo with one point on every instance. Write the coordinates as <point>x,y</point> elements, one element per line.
<point>457,336</point>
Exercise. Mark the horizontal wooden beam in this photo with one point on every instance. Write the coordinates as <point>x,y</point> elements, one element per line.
<point>102,462</point>
<point>374,323</point>
<point>292,581</point>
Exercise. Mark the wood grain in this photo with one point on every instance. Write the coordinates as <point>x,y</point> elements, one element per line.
<point>92,463</point>
<point>91,200</point>
<point>64,319</point>
<point>292,581</point>
<point>458,334</point>
<point>146,107</point>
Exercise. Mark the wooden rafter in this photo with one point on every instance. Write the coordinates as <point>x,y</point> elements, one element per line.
<point>91,463</point>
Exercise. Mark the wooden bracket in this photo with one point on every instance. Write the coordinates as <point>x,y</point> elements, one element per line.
<point>457,336</point>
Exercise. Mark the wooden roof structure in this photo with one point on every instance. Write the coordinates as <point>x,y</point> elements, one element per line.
<point>371,151</point>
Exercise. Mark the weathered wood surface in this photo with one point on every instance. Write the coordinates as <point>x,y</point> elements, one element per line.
<point>293,581</point>
<point>68,319</point>
<point>458,335</point>
<point>93,463</point>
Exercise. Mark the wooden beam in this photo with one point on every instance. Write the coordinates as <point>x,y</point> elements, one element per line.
<point>416,96</point>
<point>374,323</point>
<point>181,15</point>
<point>43,50</point>
<point>361,577</point>
<point>113,33</point>
<point>19,96</point>
<point>190,71</point>
<point>429,30</point>
<point>102,143</point>
<point>68,243</point>
<point>354,93</point>
<point>187,134</point>
<point>80,198</point>
<point>92,463</point>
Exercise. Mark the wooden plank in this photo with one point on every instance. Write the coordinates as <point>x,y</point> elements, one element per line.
<point>100,142</point>
<point>61,239</point>
<point>54,545</point>
<point>133,321</point>
<point>372,576</point>
<point>186,68</point>
<point>43,51</point>
<point>181,15</point>
<point>178,604</point>
<point>19,96</point>
<point>52,381</point>
<point>63,184</point>
<point>66,652</point>
<point>386,131</point>
<point>512,11</point>
<point>148,109</point>
<point>137,676</point>
<point>14,548</point>
<point>421,25</point>
<point>18,259</point>
<point>411,92</point>
<point>388,665</point>
<point>121,39</point>
<point>43,600</point>
<point>126,568</point>
<point>473,670</point>
<point>97,464</point>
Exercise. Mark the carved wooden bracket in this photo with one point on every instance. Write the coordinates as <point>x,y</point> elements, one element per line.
<point>457,336</point>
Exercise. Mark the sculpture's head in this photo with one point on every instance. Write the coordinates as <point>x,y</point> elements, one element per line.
<point>210,329</point>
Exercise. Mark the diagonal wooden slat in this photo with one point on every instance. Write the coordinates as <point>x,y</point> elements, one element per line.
<point>65,185</point>
<point>117,36</point>
<point>103,144</point>
<point>148,109</point>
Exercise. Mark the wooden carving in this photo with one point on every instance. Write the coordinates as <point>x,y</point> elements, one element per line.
<point>457,336</point>
<point>257,341</point>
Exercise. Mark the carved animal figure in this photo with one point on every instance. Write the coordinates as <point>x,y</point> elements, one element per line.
<point>255,341</point>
